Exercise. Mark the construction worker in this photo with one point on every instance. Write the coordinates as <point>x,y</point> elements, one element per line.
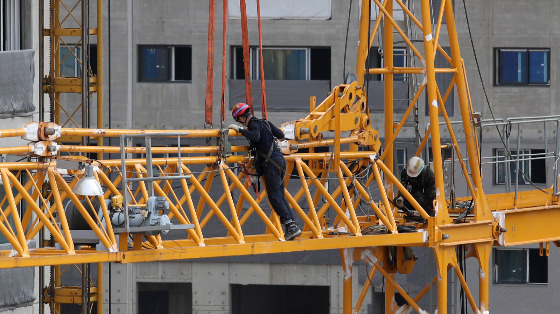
<point>419,181</point>
<point>269,162</point>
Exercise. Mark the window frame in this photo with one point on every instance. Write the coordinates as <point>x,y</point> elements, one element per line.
<point>171,57</point>
<point>254,61</point>
<point>498,66</point>
<point>527,276</point>
<point>376,60</point>
<point>525,164</point>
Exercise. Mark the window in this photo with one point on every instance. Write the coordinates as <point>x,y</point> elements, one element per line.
<point>375,60</point>
<point>271,299</point>
<point>10,25</point>
<point>164,63</point>
<point>520,266</point>
<point>522,66</point>
<point>70,56</point>
<point>285,63</point>
<point>532,166</point>
<point>164,297</point>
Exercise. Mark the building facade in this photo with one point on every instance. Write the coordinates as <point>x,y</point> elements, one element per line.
<point>155,78</point>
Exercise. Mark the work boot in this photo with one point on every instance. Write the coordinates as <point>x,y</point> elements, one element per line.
<point>291,231</point>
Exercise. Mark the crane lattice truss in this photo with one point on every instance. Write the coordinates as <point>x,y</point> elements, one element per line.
<point>203,187</point>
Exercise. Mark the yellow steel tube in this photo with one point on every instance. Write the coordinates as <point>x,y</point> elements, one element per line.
<point>136,150</point>
<point>179,210</point>
<point>363,47</point>
<point>110,230</point>
<point>254,204</point>
<point>11,238</point>
<point>389,24</point>
<point>391,141</point>
<point>442,216</point>
<point>201,201</point>
<point>456,148</point>
<point>38,177</point>
<point>388,207</point>
<point>375,27</point>
<point>315,229</point>
<point>402,189</point>
<point>393,283</point>
<point>118,132</point>
<point>330,199</point>
<point>346,140</point>
<point>365,289</point>
<point>349,202</point>
<point>415,20</point>
<point>372,204</point>
<point>20,234</point>
<point>400,70</point>
<point>305,188</point>
<point>481,212</point>
<point>234,217</point>
<point>346,281</point>
<point>61,212</point>
<point>16,150</point>
<point>465,286</point>
<point>12,133</point>
<point>204,195</point>
<point>112,188</point>
<point>194,217</point>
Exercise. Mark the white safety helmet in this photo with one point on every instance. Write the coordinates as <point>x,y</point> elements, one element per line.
<point>414,167</point>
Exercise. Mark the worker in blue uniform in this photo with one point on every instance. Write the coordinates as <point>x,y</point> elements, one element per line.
<point>269,162</point>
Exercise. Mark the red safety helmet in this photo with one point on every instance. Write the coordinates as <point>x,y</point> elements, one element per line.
<point>239,109</point>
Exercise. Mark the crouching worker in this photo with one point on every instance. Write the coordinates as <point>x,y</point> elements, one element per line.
<point>269,162</point>
<point>419,181</point>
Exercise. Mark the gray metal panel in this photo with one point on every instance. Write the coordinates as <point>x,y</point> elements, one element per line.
<point>16,288</point>
<point>280,95</point>
<point>16,83</point>
<point>376,96</point>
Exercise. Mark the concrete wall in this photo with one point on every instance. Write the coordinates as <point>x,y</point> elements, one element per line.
<point>211,282</point>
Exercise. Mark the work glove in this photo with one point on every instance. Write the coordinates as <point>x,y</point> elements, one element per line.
<point>235,127</point>
<point>399,202</point>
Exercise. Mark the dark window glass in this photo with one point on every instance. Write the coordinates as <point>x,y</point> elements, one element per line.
<point>514,66</point>
<point>321,64</point>
<point>538,67</point>
<point>93,59</point>
<point>538,267</point>
<point>154,64</point>
<point>153,302</point>
<point>522,66</point>
<point>183,64</point>
<point>538,166</point>
<point>511,266</point>
<point>520,266</point>
<point>373,61</point>
<point>276,299</point>
<point>238,66</point>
